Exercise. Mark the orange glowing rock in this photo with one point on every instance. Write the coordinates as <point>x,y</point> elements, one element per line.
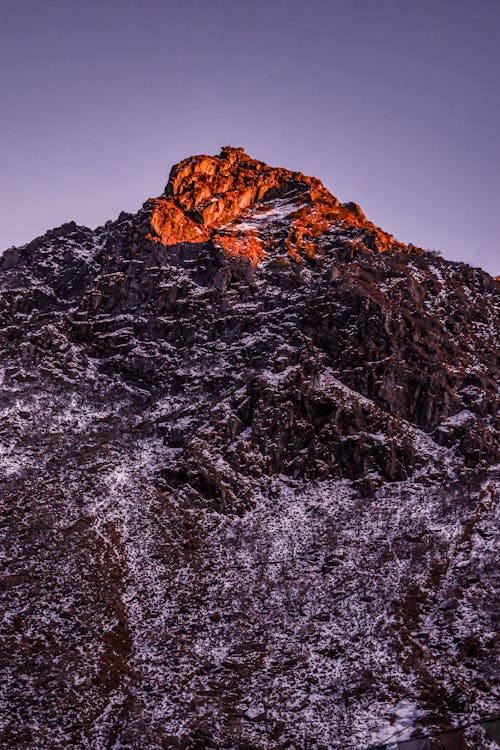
<point>171,225</point>
<point>308,225</point>
<point>225,199</point>
<point>246,246</point>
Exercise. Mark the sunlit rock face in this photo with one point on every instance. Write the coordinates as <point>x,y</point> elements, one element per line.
<point>248,475</point>
<point>224,197</point>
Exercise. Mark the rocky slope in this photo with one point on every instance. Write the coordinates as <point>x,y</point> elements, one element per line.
<point>249,471</point>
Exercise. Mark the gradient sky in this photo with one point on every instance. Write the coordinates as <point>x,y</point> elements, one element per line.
<point>394,104</point>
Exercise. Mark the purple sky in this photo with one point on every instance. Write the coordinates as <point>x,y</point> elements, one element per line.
<point>394,104</point>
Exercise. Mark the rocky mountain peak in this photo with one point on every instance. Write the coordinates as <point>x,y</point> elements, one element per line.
<point>199,179</point>
<point>248,471</point>
<point>252,210</point>
<point>232,153</point>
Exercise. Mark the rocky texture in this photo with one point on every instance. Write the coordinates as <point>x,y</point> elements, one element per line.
<point>248,456</point>
<point>227,199</point>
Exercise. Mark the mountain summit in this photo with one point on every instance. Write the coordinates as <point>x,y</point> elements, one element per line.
<point>249,469</point>
<point>228,198</point>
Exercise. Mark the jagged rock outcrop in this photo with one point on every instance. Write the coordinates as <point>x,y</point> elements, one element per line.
<point>226,198</point>
<point>242,420</point>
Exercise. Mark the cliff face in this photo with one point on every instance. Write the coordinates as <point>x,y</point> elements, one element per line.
<point>228,198</point>
<point>248,456</point>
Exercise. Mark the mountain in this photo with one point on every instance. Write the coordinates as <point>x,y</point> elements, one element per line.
<point>249,472</point>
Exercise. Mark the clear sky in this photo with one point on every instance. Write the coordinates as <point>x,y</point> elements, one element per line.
<point>394,104</point>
